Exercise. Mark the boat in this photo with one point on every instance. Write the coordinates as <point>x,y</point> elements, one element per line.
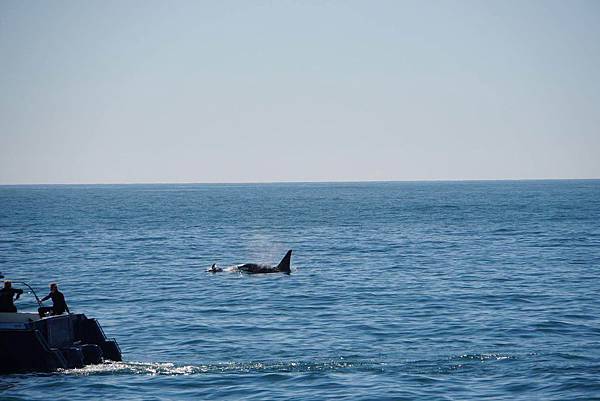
<point>30,343</point>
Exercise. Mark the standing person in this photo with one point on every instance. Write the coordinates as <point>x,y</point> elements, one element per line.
<point>7,297</point>
<point>59,305</point>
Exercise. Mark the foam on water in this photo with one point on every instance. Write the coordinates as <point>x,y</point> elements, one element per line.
<point>166,368</point>
<point>170,369</point>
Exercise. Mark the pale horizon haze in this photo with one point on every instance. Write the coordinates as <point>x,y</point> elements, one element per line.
<point>269,91</point>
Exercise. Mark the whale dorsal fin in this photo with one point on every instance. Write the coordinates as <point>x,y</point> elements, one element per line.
<point>286,262</point>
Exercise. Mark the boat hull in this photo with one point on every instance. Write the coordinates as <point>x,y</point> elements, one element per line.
<point>31,344</point>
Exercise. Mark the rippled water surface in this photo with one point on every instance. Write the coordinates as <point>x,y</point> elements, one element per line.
<point>442,290</point>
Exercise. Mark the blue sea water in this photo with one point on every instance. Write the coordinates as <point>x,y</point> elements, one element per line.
<point>423,290</point>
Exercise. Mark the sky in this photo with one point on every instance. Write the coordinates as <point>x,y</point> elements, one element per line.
<point>269,91</point>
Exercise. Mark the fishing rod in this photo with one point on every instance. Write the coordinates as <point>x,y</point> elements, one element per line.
<point>32,291</point>
<point>28,286</point>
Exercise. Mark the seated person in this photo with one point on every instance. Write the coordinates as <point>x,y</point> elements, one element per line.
<point>7,297</point>
<point>59,305</point>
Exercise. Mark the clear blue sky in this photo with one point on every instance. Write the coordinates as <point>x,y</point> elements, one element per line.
<point>252,91</point>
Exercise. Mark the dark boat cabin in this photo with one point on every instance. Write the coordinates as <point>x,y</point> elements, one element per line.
<point>29,343</point>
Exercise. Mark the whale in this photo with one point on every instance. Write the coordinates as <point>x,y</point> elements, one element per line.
<point>255,268</point>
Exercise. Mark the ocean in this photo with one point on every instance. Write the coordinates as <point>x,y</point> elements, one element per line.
<point>398,291</point>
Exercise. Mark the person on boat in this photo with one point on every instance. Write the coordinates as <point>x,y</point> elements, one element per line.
<point>59,305</point>
<point>7,297</point>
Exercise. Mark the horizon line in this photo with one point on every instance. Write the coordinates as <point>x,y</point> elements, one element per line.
<point>295,182</point>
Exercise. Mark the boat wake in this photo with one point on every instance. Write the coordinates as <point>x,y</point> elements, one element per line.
<point>440,366</point>
<point>171,369</point>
